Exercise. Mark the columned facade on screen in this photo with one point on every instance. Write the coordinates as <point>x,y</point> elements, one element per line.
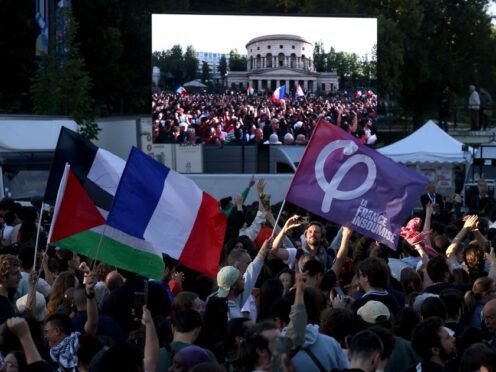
<point>274,60</point>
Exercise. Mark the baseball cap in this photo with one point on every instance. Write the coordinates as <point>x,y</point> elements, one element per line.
<point>226,277</point>
<point>374,312</point>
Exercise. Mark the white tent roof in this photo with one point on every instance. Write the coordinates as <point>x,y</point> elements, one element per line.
<point>428,144</point>
<point>195,83</point>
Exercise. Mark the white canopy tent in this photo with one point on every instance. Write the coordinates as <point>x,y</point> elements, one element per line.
<point>428,144</point>
<point>194,83</point>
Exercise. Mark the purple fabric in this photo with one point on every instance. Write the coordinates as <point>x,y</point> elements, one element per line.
<point>353,185</point>
<point>193,355</point>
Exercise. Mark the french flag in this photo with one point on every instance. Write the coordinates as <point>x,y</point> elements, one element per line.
<point>182,91</point>
<point>167,213</point>
<point>278,95</point>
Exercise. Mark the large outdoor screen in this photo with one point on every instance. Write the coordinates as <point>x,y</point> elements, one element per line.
<point>230,79</point>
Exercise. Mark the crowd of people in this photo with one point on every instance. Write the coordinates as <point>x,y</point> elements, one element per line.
<point>303,294</point>
<point>236,118</point>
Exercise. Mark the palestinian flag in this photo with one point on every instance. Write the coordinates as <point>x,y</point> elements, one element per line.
<point>97,170</point>
<point>79,225</point>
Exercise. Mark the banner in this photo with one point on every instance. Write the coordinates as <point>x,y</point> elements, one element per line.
<point>354,185</point>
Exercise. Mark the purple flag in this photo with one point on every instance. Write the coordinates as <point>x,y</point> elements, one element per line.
<point>353,185</point>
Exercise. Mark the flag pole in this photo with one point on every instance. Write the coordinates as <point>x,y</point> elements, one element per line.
<point>37,237</point>
<point>277,219</point>
<point>100,244</point>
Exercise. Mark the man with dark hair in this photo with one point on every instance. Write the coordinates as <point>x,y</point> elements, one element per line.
<point>315,273</point>
<point>434,343</point>
<point>433,306</point>
<point>373,276</point>
<point>186,327</point>
<point>106,325</point>
<point>454,302</point>
<point>58,327</point>
<point>388,342</point>
<point>438,271</point>
<point>365,352</point>
<point>121,302</point>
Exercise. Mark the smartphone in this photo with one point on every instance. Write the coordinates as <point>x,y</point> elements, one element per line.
<point>339,291</point>
<point>304,220</point>
<point>487,247</point>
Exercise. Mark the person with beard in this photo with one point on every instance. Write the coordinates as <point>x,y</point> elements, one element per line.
<point>434,343</point>
<point>315,244</point>
<point>10,276</point>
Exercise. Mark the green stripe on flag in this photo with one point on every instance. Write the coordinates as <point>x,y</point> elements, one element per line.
<point>114,253</point>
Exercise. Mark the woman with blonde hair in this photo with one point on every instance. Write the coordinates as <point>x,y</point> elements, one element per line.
<point>483,290</point>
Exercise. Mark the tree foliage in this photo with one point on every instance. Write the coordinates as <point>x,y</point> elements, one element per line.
<point>422,45</point>
<point>62,86</point>
<point>236,61</point>
<point>175,67</point>
<point>205,75</point>
<point>222,68</point>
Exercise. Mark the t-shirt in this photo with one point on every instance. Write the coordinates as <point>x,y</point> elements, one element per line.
<point>7,309</point>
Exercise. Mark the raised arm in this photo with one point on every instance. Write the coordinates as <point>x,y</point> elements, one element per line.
<point>298,316</point>
<point>152,347</point>
<point>91,325</point>
<point>31,299</point>
<point>49,277</point>
<point>290,224</point>
<point>470,223</point>
<point>342,252</point>
<point>427,222</point>
<point>19,327</point>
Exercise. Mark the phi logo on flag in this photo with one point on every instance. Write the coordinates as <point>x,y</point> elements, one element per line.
<point>331,188</point>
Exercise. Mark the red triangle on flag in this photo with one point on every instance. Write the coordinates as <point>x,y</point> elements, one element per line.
<point>76,213</point>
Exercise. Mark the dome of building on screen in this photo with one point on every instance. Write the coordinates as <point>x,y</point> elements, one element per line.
<point>281,59</point>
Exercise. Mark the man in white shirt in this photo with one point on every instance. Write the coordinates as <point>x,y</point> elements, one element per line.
<point>473,107</point>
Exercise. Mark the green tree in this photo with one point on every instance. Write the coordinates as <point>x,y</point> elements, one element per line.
<point>390,53</point>
<point>222,69</point>
<point>190,63</point>
<point>175,64</point>
<point>236,62</point>
<point>62,86</point>
<point>159,59</point>
<point>319,57</point>
<point>205,76</point>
